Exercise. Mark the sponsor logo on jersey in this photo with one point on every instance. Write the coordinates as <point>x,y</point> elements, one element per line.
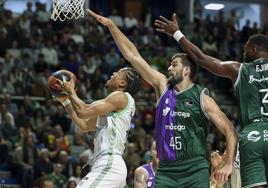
<point>254,136</point>
<point>167,101</point>
<point>261,68</point>
<point>265,135</point>
<point>175,127</point>
<point>189,102</point>
<point>166,111</point>
<point>174,113</point>
<point>252,79</point>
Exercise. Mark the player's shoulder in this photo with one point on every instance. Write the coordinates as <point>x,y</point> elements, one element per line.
<point>117,95</point>
<point>140,171</point>
<point>118,98</point>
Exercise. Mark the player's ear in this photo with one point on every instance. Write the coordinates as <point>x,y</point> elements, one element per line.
<point>187,70</point>
<point>123,83</point>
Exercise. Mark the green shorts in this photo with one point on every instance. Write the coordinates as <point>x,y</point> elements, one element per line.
<point>192,173</point>
<point>253,148</point>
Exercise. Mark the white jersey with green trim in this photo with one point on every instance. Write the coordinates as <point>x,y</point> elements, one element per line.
<point>112,131</point>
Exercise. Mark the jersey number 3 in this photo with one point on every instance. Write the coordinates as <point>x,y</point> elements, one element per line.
<point>264,101</point>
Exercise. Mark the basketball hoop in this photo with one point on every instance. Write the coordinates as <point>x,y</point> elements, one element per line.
<point>67,9</point>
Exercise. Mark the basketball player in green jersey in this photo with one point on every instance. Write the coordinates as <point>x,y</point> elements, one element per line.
<point>182,117</point>
<point>250,81</point>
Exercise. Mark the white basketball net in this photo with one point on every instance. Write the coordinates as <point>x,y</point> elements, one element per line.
<point>67,9</point>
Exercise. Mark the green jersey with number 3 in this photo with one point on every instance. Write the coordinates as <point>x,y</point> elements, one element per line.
<point>251,88</point>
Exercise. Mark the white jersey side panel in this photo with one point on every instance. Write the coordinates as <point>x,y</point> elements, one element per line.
<point>112,131</point>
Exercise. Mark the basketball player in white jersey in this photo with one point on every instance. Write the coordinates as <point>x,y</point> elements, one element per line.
<point>111,118</point>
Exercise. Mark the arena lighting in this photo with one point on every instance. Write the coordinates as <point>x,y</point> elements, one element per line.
<point>214,6</point>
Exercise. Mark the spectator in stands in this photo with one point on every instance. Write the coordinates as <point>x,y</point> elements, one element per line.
<point>57,177</point>
<point>130,21</point>
<point>4,149</point>
<point>246,31</point>
<point>48,184</point>
<point>50,54</point>
<point>40,66</point>
<point>66,163</point>
<point>11,106</point>
<point>25,158</point>
<point>131,157</point>
<point>43,166</point>
<point>118,21</point>
<point>77,174</point>
<point>71,183</point>
<point>60,118</point>
<point>28,11</point>
<point>9,129</point>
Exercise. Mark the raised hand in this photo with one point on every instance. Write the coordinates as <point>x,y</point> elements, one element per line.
<point>103,20</point>
<point>167,26</point>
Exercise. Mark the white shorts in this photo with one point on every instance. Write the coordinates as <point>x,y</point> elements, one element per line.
<point>109,171</point>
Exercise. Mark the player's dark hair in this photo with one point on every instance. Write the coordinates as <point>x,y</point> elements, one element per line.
<point>133,80</point>
<point>259,41</point>
<point>186,61</point>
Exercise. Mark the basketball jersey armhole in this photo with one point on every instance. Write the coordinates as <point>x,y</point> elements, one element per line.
<point>162,94</point>
<point>238,76</point>
<point>147,174</point>
<point>203,92</point>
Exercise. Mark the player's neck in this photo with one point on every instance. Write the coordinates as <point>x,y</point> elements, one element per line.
<point>263,55</point>
<point>184,84</point>
<point>154,165</point>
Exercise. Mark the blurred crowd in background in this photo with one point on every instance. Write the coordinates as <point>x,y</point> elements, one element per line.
<point>38,141</point>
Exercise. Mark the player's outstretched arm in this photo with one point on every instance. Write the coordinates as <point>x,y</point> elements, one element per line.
<point>226,69</point>
<point>140,178</point>
<point>219,119</point>
<point>130,52</point>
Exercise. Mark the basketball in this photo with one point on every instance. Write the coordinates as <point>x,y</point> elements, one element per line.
<point>54,84</point>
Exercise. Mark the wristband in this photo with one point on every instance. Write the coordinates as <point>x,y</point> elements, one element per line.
<point>66,102</point>
<point>178,35</point>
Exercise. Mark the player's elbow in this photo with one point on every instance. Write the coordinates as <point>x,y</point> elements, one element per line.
<point>129,56</point>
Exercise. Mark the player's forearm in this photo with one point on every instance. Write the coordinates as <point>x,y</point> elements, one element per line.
<point>81,123</point>
<point>131,53</point>
<point>231,144</point>
<point>193,51</point>
<point>197,56</point>
<point>77,103</point>
<point>84,124</point>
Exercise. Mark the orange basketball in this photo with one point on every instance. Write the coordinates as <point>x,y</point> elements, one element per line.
<point>54,84</point>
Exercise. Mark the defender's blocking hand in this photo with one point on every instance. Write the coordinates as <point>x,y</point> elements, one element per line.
<point>167,26</point>
<point>103,20</point>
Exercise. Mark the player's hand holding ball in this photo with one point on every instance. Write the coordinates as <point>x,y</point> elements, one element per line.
<point>61,85</point>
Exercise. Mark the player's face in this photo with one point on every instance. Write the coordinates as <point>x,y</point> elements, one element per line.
<point>175,71</point>
<point>117,80</point>
<point>249,52</point>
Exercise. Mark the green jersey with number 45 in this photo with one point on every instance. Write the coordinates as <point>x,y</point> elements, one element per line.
<point>251,89</point>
